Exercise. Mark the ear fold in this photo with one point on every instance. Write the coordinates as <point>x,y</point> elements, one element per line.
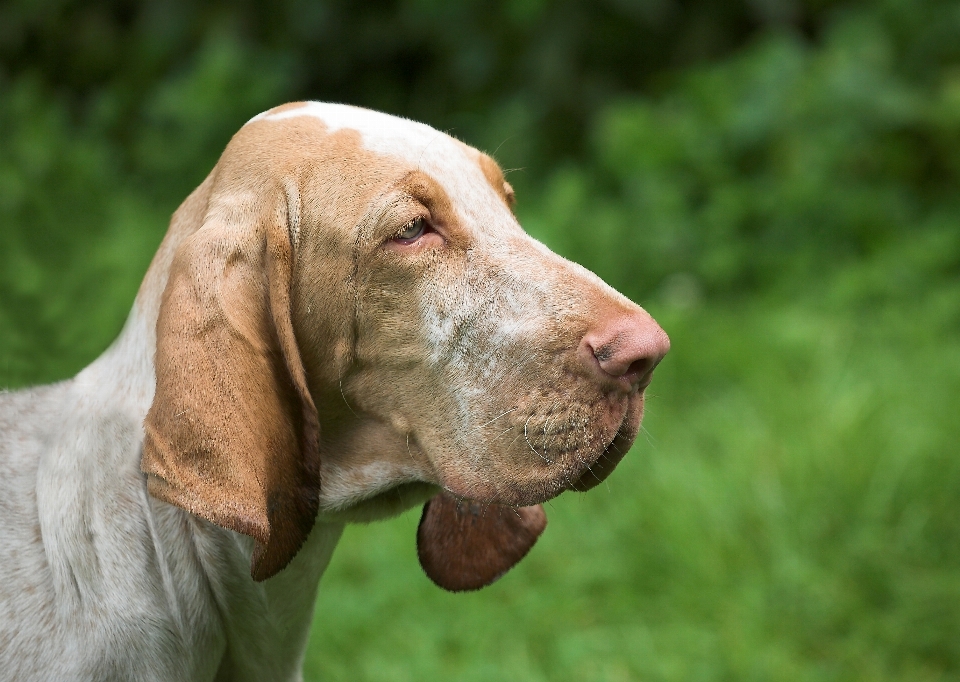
<point>232,435</point>
<point>464,545</point>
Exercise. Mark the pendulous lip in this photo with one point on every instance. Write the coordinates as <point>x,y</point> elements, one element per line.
<point>616,449</point>
<point>596,473</point>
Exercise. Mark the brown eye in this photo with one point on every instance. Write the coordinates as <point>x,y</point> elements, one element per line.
<point>411,231</point>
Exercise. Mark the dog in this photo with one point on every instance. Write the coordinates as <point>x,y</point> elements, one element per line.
<point>344,320</point>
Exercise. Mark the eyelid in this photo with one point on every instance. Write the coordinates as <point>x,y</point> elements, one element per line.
<point>429,237</point>
<point>419,211</point>
<point>418,221</point>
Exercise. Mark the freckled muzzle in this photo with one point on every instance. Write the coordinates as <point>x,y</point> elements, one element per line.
<point>570,432</point>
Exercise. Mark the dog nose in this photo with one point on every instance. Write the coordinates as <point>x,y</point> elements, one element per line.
<point>625,348</point>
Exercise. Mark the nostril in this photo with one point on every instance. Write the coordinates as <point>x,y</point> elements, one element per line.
<point>614,361</point>
<point>604,354</point>
<point>639,369</point>
<point>626,366</point>
<point>626,348</point>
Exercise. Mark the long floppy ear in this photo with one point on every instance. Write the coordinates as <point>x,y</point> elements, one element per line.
<point>465,545</point>
<point>232,435</point>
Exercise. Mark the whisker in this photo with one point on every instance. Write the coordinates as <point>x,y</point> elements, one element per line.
<point>551,413</point>
<point>507,430</point>
<point>649,436</point>
<point>340,384</point>
<point>508,137</point>
<point>410,454</point>
<point>514,440</point>
<point>528,441</point>
<point>514,409</point>
<point>590,469</point>
<point>546,436</point>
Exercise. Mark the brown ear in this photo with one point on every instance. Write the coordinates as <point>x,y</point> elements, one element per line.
<point>232,435</point>
<point>464,545</point>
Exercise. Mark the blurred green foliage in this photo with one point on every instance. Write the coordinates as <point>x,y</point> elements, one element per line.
<point>770,168</point>
<point>776,180</point>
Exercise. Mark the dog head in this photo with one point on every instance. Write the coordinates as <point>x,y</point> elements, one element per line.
<point>354,321</point>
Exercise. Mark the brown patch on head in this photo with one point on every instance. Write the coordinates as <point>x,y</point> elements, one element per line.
<point>493,174</point>
<point>425,189</point>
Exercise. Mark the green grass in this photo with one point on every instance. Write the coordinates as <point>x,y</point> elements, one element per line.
<point>791,512</point>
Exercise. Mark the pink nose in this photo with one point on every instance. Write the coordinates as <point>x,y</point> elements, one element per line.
<point>625,348</point>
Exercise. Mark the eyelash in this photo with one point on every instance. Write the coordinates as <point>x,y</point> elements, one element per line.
<point>416,227</point>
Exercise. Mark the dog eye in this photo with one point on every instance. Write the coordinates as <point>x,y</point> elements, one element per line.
<point>411,231</point>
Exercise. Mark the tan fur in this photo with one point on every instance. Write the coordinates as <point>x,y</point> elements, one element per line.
<point>495,177</point>
<point>232,435</point>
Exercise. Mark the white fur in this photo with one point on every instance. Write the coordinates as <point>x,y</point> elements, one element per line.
<point>98,580</point>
